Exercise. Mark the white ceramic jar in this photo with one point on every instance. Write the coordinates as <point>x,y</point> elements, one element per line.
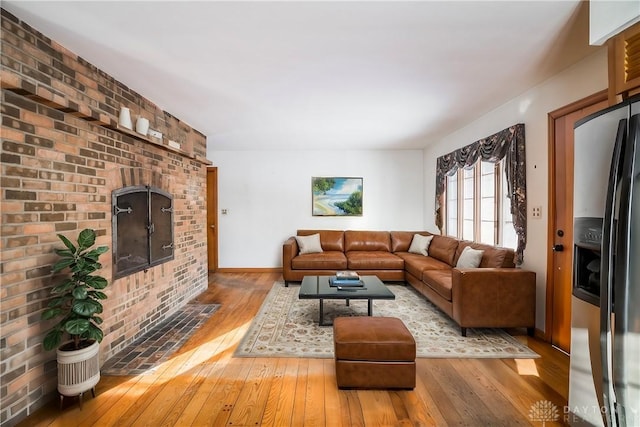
<point>125,118</point>
<point>142,125</point>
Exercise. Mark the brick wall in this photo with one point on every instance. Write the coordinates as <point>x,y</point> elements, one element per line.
<point>62,156</point>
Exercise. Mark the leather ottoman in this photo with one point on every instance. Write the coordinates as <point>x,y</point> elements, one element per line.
<point>374,352</point>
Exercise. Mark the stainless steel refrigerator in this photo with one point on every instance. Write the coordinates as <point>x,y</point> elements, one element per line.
<point>604,376</point>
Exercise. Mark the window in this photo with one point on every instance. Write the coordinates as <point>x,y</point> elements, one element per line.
<point>473,212</point>
<point>468,209</point>
<point>493,214</point>
<point>142,229</point>
<point>509,235</point>
<point>452,204</point>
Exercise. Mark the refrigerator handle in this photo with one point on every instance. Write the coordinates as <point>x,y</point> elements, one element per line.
<point>623,281</point>
<point>606,274</point>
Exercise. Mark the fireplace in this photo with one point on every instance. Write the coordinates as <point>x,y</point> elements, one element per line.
<point>142,229</point>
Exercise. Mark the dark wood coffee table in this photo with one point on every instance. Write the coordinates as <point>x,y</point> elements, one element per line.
<point>318,287</point>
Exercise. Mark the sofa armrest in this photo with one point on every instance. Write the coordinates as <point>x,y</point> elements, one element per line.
<point>494,297</point>
<point>289,251</point>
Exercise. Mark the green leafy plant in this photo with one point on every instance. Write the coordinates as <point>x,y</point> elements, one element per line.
<point>353,205</point>
<point>77,299</point>
<point>322,185</point>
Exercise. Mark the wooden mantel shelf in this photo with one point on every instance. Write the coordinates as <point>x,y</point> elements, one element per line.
<point>159,142</point>
<point>102,120</point>
<point>138,136</point>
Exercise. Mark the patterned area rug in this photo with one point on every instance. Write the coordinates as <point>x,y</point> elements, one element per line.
<point>157,345</point>
<point>287,326</point>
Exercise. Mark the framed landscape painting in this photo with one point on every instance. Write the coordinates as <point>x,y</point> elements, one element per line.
<point>336,196</point>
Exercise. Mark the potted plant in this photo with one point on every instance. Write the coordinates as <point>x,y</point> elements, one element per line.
<point>76,302</point>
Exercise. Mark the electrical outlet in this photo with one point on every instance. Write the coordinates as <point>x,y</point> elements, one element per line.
<point>155,134</point>
<point>536,212</point>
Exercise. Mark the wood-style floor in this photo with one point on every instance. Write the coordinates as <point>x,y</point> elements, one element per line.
<point>203,385</point>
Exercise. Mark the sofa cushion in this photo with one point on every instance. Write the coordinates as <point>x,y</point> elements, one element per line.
<point>327,260</point>
<point>355,240</point>
<point>443,248</point>
<point>440,281</point>
<point>373,260</point>
<point>415,264</point>
<point>309,244</point>
<point>401,240</point>
<point>331,240</point>
<point>469,258</point>
<point>420,244</point>
<point>493,257</point>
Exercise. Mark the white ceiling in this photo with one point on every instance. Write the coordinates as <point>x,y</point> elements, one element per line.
<point>321,75</point>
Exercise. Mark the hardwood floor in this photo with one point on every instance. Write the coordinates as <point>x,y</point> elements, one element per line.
<point>203,385</point>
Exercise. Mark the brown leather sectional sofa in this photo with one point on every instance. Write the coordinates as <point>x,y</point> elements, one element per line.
<point>493,295</point>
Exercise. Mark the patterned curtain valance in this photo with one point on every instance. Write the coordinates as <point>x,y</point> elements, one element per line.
<point>507,144</point>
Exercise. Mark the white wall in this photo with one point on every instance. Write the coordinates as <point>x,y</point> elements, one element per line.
<point>268,193</point>
<point>531,108</point>
<point>268,197</point>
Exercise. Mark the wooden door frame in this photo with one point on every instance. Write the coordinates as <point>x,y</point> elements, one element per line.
<point>212,212</point>
<point>552,116</point>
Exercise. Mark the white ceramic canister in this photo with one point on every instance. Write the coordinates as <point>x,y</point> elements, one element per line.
<point>125,118</point>
<point>142,125</point>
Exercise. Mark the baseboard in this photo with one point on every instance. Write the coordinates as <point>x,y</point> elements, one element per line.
<point>249,270</point>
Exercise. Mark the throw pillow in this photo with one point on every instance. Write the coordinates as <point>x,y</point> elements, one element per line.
<point>309,244</point>
<point>420,244</point>
<point>469,258</point>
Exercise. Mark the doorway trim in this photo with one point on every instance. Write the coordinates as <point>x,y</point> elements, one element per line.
<point>212,218</point>
<point>552,116</point>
